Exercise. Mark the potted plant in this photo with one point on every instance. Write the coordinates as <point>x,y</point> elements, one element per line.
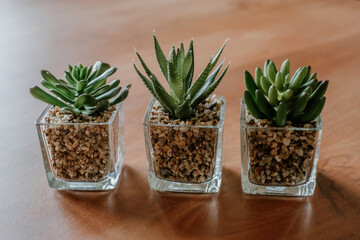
<point>281,130</point>
<point>81,130</point>
<point>183,128</point>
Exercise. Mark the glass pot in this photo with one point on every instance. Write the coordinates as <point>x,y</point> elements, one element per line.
<point>184,158</point>
<point>82,156</point>
<point>278,160</point>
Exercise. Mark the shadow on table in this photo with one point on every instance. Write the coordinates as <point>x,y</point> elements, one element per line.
<point>132,206</point>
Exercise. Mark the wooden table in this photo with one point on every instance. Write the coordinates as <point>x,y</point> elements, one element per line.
<point>41,34</point>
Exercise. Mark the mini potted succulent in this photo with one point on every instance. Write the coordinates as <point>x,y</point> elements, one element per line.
<point>81,130</point>
<point>183,128</point>
<point>281,130</point>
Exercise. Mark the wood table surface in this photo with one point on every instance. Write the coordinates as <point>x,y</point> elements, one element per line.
<point>40,34</point>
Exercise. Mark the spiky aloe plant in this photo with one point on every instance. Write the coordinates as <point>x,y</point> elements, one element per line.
<point>85,90</point>
<point>178,71</point>
<point>277,97</point>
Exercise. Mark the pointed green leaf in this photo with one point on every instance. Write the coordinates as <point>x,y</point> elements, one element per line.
<point>164,98</point>
<point>69,78</point>
<point>258,74</point>
<point>265,84</point>
<point>312,111</point>
<point>175,82</point>
<point>49,77</point>
<point>100,107</point>
<point>199,82</point>
<point>280,118</point>
<point>299,105</point>
<point>160,56</point>
<point>264,105</point>
<point>272,94</point>
<point>122,96</point>
<point>271,72</point>
<point>61,95</point>
<point>285,67</point>
<point>110,94</point>
<point>45,97</point>
<point>81,85</point>
<point>146,81</point>
<point>250,83</point>
<point>204,93</point>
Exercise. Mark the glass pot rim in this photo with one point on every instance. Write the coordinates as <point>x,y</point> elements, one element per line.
<point>40,119</point>
<point>243,123</point>
<point>218,125</point>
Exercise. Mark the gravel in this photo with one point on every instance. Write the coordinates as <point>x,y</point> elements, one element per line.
<point>185,154</point>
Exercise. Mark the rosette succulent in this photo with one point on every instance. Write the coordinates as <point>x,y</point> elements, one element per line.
<point>84,91</point>
<point>277,97</point>
<point>178,71</point>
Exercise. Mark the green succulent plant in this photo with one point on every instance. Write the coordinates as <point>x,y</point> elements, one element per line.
<point>85,90</point>
<point>277,97</point>
<point>178,71</point>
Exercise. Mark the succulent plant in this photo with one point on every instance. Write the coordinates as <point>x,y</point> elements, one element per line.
<point>85,90</point>
<point>277,97</point>
<point>178,71</point>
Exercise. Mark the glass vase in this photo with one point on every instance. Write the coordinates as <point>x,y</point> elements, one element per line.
<point>278,160</point>
<point>83,156</point>
<point>184,158</point>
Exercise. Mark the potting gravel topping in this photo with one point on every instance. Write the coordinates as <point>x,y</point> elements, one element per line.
<point>280,157</point>
<point>79,152</point>
<point>185,154</point>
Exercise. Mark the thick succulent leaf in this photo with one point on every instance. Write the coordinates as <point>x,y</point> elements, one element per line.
<point>46,84</point>
<point>285,67</point>
<point>204,93</point>
<point>312,83</point>
<point>100,107</point>
<point>298,79</point>
<point>101,68</point>
<point>266,63</point>
<point>103,76</point>
<point>75,73</point>
<point>65,90</point>
<point>160,56</point>
<point>61,95</point>
<point>287,79</point>
<point>299,105</point>
<point>312,111</point>
<point>272,94</point>
<point>164,98</point>
<point>210,79</point>
<point>45,97</point>
<point>265,84</point>
<point>109,94</point>
<point>251,105</point>
<point>100,90</point>
<point>279,81</point>
<point>122,96</point>
<point>287,95</point>
<point>95,85</point>
<point>264,105</point>
<point>320,90</point>
<point>146,81</point>
<point>308,74</point>
<point>80,86</point>
<point>70,68</point>
<point>175,82</point>
<point>70,78</point>
<point>88,71</point>
<point>184,111</point>
<point>199,82</point>
<point>258,74</point>
<point>83,73</point>
<point>85,99</point>
<point>271,72</point>
<point>281,113</point>
<point>313,76</point>
<point>250,83</point>
<point>49,77</point>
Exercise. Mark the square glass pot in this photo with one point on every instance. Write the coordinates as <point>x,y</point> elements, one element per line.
<point>279,160</point>
<point>184,158</point>
<point>83,156</point>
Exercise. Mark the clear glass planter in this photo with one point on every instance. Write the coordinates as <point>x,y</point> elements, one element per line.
<point>184,158</point>
<point>83,156</point>
<point>278,160</point>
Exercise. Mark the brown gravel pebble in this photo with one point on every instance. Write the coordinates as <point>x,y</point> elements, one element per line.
<point>280,157</point>
<point>79,152</point>
<point>185,154</point>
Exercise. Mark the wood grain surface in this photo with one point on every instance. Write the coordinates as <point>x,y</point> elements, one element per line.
<point>39,34</point>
